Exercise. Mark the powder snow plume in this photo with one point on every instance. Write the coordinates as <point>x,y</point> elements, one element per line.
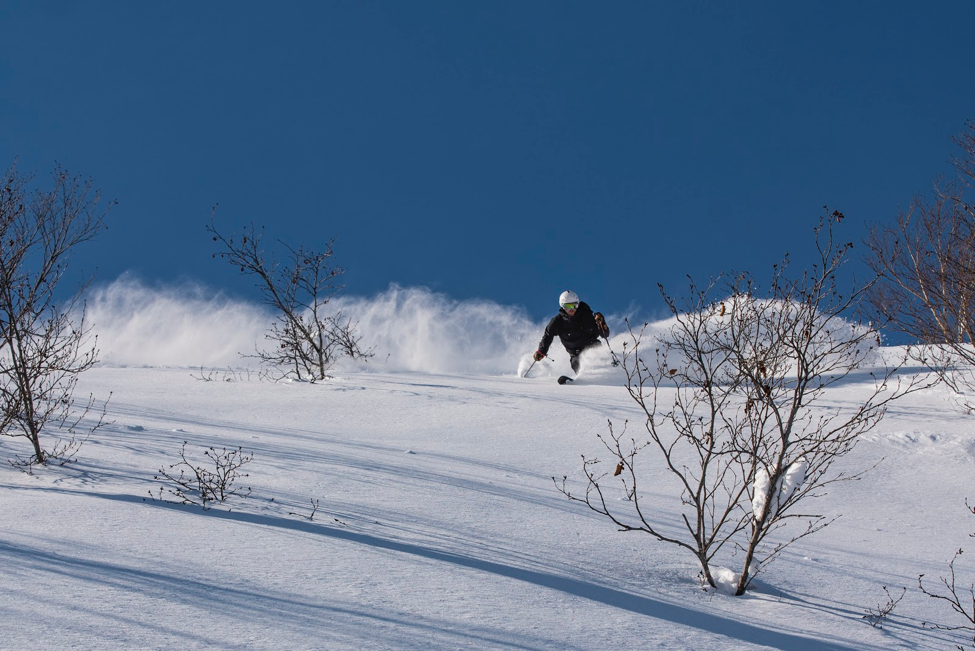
<point>416,329</point>
<point>408,329</point>
<point>180,325</point>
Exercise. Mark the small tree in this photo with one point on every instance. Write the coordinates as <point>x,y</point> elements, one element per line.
<point>926,264</point>
<point>306,339</point>
<point>743,442</point>
<point>44,345</point>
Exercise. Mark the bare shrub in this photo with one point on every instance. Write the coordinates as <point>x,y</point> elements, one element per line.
<point>311,515</point>
<point>307,338</point>
<point>227,375</point>
<point>877,617</point>
<point>926,264</point>
<point>729,394</point>
<point>44,344</point>
<point>216,481</point>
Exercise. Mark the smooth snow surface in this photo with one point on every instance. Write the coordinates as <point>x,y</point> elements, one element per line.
<point>438,525</point>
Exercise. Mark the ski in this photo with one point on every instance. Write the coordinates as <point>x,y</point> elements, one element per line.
<point>563,379</point>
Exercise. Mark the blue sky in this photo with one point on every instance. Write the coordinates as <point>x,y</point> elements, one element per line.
<point>498,150</point>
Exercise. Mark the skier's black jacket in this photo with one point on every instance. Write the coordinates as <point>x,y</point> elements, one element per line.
<point>577,332</point>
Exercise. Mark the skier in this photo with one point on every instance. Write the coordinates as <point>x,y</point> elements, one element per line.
<point>576,325</point>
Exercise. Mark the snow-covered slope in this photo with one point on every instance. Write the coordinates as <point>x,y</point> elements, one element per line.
<point>438,526</point>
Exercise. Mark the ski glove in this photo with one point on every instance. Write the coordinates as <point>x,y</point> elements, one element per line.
<point>538,355</point>
<point>601,324</point>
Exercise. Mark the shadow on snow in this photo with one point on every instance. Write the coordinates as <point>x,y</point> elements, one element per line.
<point>710,623</point>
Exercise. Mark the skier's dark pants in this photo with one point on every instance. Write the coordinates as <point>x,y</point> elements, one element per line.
<point>574,357</point>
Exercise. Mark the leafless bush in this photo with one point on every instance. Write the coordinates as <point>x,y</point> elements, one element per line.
<point>310,516</point>
<point>44,345</point>
<point>878,617</point>
<point>195,484</point>
<point>306,339</point>
<point>743,442</point>
<point>226,375</point>
<point>926,262</point>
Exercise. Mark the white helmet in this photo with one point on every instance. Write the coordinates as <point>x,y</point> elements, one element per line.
<point>568,296</point>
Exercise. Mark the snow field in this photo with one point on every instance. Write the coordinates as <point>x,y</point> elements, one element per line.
<point>437,527</point>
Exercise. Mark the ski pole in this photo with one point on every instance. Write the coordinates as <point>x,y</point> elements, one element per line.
<point>616,360</point>
<point>533,366</point>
